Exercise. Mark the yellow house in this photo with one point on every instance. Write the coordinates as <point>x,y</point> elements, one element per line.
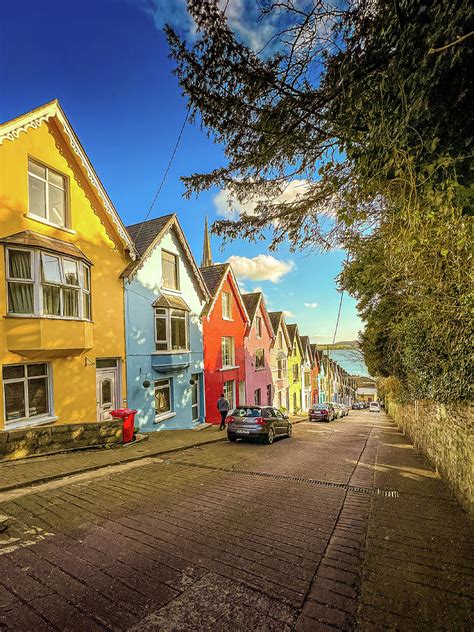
<point>295,360</point>
<point>63,248</point>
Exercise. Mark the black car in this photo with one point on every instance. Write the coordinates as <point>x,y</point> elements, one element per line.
<point>322,412</point>
<point>257,422</point>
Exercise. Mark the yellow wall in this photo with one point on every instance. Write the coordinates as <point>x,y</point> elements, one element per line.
<point>74,383</point>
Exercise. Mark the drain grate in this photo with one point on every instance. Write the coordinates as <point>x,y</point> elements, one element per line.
<point>374,491</point>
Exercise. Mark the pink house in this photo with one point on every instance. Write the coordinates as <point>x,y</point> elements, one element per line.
<point>258,374</point>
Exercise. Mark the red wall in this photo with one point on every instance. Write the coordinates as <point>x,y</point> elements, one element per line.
<point>214,327</point>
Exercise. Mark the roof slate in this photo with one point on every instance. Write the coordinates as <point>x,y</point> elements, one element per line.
<point>292,332</point>
<point>144,233</point>
<point>30,238</point>
<point>275,320</point>
<point>212,276</point>
<point>251,301</point>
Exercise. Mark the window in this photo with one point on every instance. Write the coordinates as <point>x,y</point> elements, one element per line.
<point>169,264</point>
<point>226,305</point>
<point>257,397</point>
<point>269,394</point>
<point>195,397</point>
<point>259,359</point>
<point>258,326</point>
<point>296,372</point>
<point>171,329</point>
<point>227,351</point>
<point>162,397</point>
<point>280,339</point>
<point>281,368</point>
<point>47,194</point>
<point>44,284</point>
<point>26,391</point>
<point>307,380</point>
<point>106,363</point>
<point>229,389</point>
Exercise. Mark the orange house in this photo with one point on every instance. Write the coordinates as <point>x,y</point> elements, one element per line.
<point>225,325</point>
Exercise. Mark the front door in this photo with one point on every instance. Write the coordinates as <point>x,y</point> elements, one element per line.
<point>195,403</point>
<point>107,383</point>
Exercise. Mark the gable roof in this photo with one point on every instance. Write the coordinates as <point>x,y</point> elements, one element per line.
<point>144,233</point>
<point>252,301</point>
<point>293,333</point>
<point>148,234</point>
<point>11,130</point>
<point>306,346</point>
<point>277,319</point>
<point>214,277</point>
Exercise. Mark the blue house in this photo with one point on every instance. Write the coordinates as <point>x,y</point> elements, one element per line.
<point>164,297</point>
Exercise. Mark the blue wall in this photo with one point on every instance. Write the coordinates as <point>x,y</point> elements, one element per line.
<point>143,360</point>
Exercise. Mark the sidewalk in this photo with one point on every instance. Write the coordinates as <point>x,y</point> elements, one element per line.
<point>40,469</point>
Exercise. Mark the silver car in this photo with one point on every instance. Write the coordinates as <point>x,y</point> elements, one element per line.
<point>257,422</point>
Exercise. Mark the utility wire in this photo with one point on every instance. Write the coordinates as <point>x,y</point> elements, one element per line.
<point>338,316</point>
<point>173,153</point>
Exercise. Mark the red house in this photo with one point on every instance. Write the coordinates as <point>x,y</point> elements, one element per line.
<point>225,325</point>
<point>258,342</point>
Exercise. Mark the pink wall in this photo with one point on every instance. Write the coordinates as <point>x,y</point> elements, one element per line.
<point>260,378</point>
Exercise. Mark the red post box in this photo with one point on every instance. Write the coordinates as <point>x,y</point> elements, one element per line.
<point>127,415</point>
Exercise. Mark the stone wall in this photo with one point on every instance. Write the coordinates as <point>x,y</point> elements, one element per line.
<point>18,444</point>
<point>444,435</point>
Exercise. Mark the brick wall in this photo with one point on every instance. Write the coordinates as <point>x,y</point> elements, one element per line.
<point>444,435</point>
<point>18,444</point>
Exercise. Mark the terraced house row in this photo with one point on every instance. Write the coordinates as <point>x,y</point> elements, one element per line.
<point>97,316</point>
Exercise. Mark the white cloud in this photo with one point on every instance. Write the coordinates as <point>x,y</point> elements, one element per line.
<point>311,305</point>
<point>243,17</point>
<point>288,314</point>
<point>229,207</point>
<point>260,268</point>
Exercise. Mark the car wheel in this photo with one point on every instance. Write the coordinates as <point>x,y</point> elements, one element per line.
<point>231,438</point>
<point>289,431</point>
<point>270,436</point>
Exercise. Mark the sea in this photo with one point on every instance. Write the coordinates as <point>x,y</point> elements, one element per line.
<point>351,361</point>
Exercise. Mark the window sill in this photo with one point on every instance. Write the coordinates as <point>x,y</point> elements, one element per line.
<point>229,368</point>
<point>168,290</point>
<point>173,352</point>
<point>45,317</point>
<point>164,417</point>
<point>25,423</point>
<point>230,320</point>
<point>35,218</point>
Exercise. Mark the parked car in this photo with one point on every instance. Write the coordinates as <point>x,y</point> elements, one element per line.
<point>257,422</point>
<point>339,410</point>
<point>321,412</point>
<point>356,406</point>
<point>345,409</point>
<point>374,407</point>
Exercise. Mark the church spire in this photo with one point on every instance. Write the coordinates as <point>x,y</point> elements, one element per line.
<point>206,251</point>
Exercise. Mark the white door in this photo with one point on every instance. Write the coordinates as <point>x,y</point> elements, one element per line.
<point>106,393</point>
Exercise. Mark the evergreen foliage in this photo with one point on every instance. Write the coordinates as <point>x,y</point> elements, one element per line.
<point>368,104</point>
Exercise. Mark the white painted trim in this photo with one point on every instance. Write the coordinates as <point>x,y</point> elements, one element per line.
<point>163,417</point>
<point>28,424</point>
<point>229,368</point>
<point>36,218</point>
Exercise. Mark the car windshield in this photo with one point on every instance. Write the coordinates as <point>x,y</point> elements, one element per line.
<point>247,411</point>
<point>320,407</point>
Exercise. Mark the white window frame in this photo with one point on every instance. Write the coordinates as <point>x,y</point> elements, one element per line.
<point>227,306</point>
<point>28,420</point>
<point>231,352</point>
<point>230,397</point>
<point>281,368</point>
<point>177,277</point>
<point>258,366</point>
<point>48,184</point>
<point>197,386</point>
<point>169,413</point>
<point>259,326</point>
<point>36,258</point>
<point>167,318</point>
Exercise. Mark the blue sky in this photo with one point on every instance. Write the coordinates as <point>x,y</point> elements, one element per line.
<point>107,62</point>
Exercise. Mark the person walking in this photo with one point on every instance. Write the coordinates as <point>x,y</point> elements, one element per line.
<point>223,407</point>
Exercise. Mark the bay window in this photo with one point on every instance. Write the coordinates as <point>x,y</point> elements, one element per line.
<point>47,194</point>
<point>171,329</point>
<point>44,284</point>
<point>26,392</point>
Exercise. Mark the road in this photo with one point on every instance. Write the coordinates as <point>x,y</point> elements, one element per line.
<point>343,526</point>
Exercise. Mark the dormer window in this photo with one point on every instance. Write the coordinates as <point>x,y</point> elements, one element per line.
<point>47,194</point>
<point>170,273</point>
<point>226,306</point>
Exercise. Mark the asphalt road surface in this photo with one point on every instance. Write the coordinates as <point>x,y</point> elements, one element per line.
<point>343,526</point>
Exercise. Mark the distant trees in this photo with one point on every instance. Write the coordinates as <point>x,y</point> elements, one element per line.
<point>368,105</point>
